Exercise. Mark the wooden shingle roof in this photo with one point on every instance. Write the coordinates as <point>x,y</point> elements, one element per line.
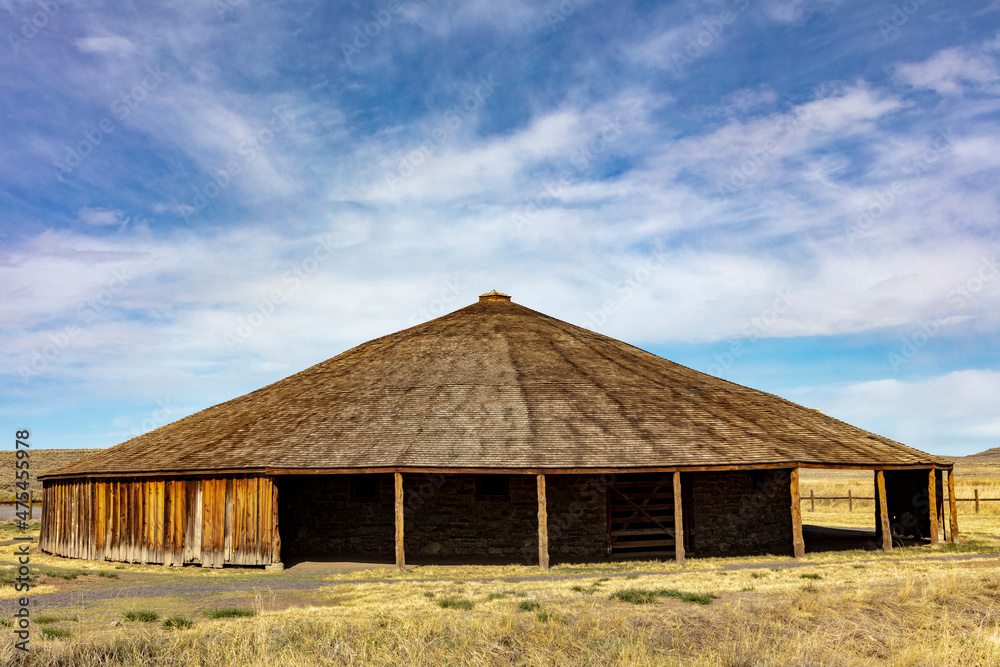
<point>497,385</point>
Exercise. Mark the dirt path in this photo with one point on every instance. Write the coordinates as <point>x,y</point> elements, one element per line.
<point>311,580</point>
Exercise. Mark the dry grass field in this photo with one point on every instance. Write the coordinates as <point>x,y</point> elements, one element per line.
<point>913,606</point>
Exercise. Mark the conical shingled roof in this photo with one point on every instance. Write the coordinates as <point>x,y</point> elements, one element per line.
<point>497,385</point>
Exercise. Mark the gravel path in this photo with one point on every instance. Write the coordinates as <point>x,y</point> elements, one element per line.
<point>290,581</point>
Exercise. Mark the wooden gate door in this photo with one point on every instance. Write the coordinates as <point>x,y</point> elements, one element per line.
<point>641,516</point>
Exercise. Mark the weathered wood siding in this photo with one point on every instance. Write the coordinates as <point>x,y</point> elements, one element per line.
<point>213,521</point>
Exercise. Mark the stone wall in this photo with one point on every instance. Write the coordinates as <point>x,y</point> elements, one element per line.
<point>316,515</point>
<point>443,518</point>
<point>738,513</point>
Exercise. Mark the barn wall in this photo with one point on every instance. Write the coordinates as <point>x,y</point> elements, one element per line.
<point>578,527</point>
<point>443,517</point>
<point>318,516</point>
<point>738,513</point>
<point>213,521</point>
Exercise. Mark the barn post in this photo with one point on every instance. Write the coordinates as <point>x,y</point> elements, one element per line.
<point>678,520</point>
<point>952,507</point>
<point>798,544</point>
<point>932,502</point>
<point>882,511</point>
<point>543,524</point>
<point>400,552</point>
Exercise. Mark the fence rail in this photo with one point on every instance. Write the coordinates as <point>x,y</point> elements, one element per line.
<point>850,498</point>
<point>32,501</point>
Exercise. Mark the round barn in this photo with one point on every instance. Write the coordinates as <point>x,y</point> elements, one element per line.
<point>492,433</point>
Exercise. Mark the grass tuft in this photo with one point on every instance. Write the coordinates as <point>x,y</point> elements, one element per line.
<point>177,623</point>
<point>229,612</point>
<point>529,605</point>
<point>649,596</point>
<point>452,602</point>
<point>144,616</point>
<point>810,576</point>
<point>56,633</point>
<point>108,575</point>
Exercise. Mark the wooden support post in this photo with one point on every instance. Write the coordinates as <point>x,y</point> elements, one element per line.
<point>31,505</point>
<point>850,501</point>
<point>798,544</point>
<point>952,506</point>
<point>883,511</point>
<point>977,501</point>
<point>812,500</point>
<point>400,552</point>
<point>543,525</point>
<point>678,520</point>
<point>932,502</point>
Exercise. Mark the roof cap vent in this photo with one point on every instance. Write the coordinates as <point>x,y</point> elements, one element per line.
<point>494,295</point>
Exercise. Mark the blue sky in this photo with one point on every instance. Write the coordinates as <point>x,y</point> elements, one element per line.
<point>197,199</point>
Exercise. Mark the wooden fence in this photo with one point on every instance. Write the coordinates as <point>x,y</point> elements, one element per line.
<point>32,501</point>
<point>850,498</point>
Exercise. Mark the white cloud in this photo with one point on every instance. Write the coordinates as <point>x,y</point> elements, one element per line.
<point>951,414</point>
<point>952,72</point>
<point>115,45</point>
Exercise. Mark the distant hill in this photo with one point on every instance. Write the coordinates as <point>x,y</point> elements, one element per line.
<point>989,457</point>
<point>42,461</point>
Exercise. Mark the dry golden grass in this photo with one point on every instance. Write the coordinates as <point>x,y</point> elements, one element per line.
<point>883,613</point>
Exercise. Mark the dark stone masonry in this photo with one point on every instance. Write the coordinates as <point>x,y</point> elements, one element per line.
<point>445,516</point>
<point>453,517</point>
<point>738,513</point>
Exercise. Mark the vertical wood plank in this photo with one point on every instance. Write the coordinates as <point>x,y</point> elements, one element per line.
<point>398,492</point>
<point>798,544</point>
<point>230,523</point>
<point>678,520</point>
<point>208,507</point>
<point>932,501</point>
<point>265,520</point>
<point>939,503</point>
<point>275,532</point>
<point>238,520</point>
<point>882,507</point>
<point>952,506</point>
<point>543,523</point>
